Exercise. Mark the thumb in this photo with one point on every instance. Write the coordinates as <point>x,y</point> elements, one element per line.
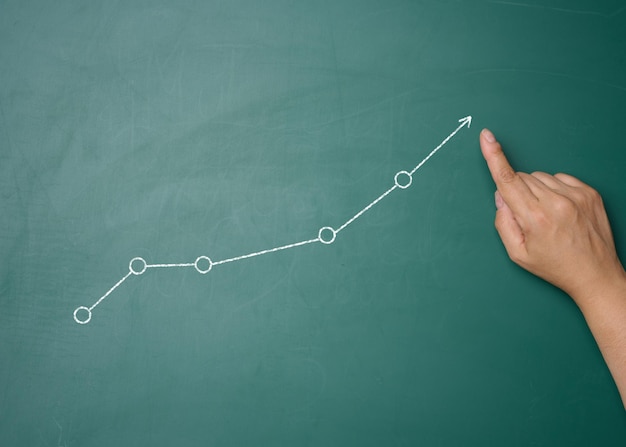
<point>509,230</point>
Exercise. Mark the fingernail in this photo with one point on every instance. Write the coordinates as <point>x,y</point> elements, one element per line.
<point>499,200</point>
<point>489,136</point>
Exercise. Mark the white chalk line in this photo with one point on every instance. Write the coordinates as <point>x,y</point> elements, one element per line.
<point>93,306</point>
<point>323,234</point>
<point>165,266</point>
<point>119,283</point>
<point>360,213</point>
<point>464,121</point>
<point>263,252</point>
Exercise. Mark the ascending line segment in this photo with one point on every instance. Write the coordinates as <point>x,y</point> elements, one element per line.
<point>326,235</point>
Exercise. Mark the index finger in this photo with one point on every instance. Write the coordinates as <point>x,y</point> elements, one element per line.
<point>512,187</point>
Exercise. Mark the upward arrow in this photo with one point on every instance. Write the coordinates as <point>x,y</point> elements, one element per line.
<point>464,121</point>
<point>467,120</point>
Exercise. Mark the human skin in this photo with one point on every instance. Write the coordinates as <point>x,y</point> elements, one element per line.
<point>556,227</point>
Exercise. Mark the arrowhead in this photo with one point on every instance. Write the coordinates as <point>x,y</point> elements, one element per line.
<point>467,120</point>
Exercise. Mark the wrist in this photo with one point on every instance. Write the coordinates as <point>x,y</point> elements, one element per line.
<point>602,292</point>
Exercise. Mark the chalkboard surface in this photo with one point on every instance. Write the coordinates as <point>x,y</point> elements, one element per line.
<point>148,147</point>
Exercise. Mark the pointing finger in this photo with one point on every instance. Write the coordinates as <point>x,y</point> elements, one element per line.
<point>511,186</point>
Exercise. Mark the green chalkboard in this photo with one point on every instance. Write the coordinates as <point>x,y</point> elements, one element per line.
<point>148,147</point>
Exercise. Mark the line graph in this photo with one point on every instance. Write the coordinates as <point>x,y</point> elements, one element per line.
<point>326,235</point>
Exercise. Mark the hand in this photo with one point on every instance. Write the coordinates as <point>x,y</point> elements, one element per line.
<point>554,226</point>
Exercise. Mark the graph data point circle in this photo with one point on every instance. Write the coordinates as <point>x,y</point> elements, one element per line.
<point>327,235</point>
<point>200,269</point>
<point>403,179</point>
<point>137,266</point>
<point>83,320</point>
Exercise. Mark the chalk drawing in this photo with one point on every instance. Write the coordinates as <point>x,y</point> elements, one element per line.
<point>326,235</point>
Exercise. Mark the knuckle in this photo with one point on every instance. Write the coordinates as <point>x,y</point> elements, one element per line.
<point>584,196</point>
<point>507,175</point>
<point>593,194</point>
<point>516,257</point>
<point>540,217</point>
<point>568,179</point>
<point>565,206</point>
